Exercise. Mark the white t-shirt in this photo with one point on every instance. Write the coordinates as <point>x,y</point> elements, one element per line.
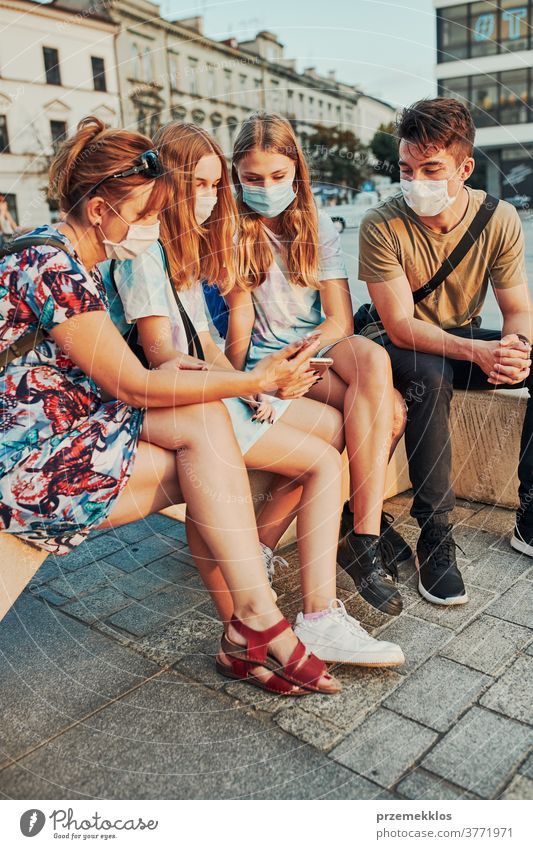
<point>145,290</point>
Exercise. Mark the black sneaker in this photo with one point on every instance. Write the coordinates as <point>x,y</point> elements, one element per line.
<point>439,579</point>
<point>360,555</point>
<point>401,550</point>
<point>522,538</point>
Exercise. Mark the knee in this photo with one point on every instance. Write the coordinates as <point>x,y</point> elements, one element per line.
<point>430,385</point>
<point>373,362</point>
<point>206,422</point>
<point>328,460</point>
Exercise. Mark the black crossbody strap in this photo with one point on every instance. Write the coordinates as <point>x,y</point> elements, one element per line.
<point>193,341</point>
<point>21,243</point>
<point>480,221</point>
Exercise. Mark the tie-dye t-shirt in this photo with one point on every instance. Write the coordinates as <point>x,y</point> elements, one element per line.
<point>284,312</point>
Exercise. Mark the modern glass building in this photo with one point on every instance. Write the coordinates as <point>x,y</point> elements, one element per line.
<point>485,58</point>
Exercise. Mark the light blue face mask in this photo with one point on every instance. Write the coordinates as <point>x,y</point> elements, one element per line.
<point>269,200</point>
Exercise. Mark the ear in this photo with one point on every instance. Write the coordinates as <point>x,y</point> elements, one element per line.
<point>468,167</point>
<point>95,208</point>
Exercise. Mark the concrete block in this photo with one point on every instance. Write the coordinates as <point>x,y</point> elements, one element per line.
<point>481,752</point>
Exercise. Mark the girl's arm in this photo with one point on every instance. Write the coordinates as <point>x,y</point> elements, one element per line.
<point>241,322</point>
<point>155,336</point>
<point>93,343</point>
<point>337,307</point>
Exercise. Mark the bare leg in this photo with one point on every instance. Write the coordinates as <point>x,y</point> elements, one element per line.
<point>360,383</point>
<point>309,416</point>
<point>200,442</point>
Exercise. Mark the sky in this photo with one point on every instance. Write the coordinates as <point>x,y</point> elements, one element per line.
<point>385,47</point>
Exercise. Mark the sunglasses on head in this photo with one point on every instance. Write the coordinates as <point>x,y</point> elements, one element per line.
<point>148,164</point>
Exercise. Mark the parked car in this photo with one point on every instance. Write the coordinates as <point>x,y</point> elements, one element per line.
<point>350,214</point>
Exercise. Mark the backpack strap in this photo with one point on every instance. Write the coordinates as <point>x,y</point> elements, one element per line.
<point>469,238</point>
<point>193,340</point>
<point>30,340</point>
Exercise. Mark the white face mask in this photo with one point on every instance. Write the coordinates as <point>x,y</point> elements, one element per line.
<point>138,238</point>
<point>203,207</point>
<point>427,197</point>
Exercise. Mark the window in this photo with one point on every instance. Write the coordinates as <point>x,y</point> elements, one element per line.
<point>98,73</point>
<point>148,71</point>
<point>155,123</point>
<point>174,70</point>
<point>51,65</point>
<point>228,85</point>
<point>243,93</point>
<point>4,138</point>
<point>513,100</point>
<point>514,25</point>
<point>502,98</point>
<point>191,70</point>
<point>136,61</point>
<point>58,132</point>
<point>483,29</point>
<point>211,82</point>
<point>141,120</point>
<point>232,130</point>
<point>216,121</point>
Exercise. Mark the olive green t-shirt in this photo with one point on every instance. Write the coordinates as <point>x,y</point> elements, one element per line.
<point>393,241</point>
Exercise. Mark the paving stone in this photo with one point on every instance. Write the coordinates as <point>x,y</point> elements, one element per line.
<point>481,752</point>
<point>184,556</point>
<point>157,610</point>
<point>93,549</point>
<point>97,605</point>
<point>139,584</point>
<point>200,668</point>
<point>437,693</point>
<point>512,694</point>
<point>50,569</point>
<point>383,747</point>
<point>496,570</point>
<point>494,520</point>
<point>172,570</point>
<point>309,729</point>
<point>362,691</point>
<point>189,634</point>
<point>474,542</point>
<point>46,594</point>
<point>420,784</point>
<point>132,532</point>
<point>162,524</point>
<point>419,640</point>
<point>529,649</point>
<point>487,644</point>
<point>527,768</point>
<point>141,553</point>
<point>515,605</point>
<point>348,785</point>
<point>85,579</point>
<point>457,616</point>
<point>519,788</point>
<point>53,672</point>
<point>171,740</point>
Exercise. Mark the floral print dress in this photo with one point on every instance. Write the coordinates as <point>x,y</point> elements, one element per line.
<point>65,453</point>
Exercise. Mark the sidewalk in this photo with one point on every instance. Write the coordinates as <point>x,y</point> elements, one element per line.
<point>108,687</point>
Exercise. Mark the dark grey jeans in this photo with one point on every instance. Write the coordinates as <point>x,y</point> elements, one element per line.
<point>427,382</point>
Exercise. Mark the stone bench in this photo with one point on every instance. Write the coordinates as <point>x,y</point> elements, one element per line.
<point>485,428</point>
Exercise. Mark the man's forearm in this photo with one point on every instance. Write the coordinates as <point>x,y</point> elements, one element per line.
<point>520,323</point>
<point>426,338</point>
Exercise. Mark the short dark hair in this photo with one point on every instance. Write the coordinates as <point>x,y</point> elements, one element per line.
<point>439,122</point>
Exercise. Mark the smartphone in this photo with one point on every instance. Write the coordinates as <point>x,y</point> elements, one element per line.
<point>320,364</point>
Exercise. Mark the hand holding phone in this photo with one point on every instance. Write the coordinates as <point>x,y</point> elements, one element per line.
<point>320,364</point>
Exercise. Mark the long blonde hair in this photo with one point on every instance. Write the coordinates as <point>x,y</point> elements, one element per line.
<point>195,251</point>
<point>299,222</point>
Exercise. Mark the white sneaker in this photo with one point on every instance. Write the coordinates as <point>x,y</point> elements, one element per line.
<point>339,638</point>
<point>271,561</point>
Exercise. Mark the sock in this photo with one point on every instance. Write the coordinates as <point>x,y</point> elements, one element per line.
<point>318,615</point>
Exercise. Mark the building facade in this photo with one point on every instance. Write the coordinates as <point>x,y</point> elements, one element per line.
<point>485,59</point>
<point>171,70</point>
<point>57,65</point>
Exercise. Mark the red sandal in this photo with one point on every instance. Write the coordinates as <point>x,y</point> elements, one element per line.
<point>239,670</point>
<point>304,674</point>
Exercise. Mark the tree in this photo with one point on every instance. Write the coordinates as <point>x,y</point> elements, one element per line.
<point>337,157</point>
<point>384,146</point>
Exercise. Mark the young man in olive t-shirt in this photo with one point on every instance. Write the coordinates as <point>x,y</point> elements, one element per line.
<point>437,344</point>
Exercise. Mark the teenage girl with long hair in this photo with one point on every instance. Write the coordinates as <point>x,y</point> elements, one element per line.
<point>291,279</point>
<point>302,443</point>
